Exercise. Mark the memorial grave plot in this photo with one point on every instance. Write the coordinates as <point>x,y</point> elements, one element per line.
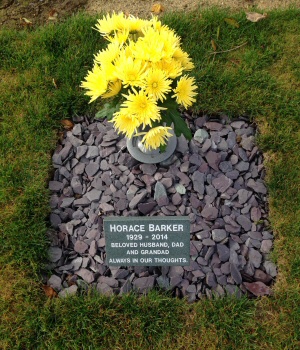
<point>216,180</point>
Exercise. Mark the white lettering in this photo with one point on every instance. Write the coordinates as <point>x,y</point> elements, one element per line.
<point>132,252</point>
<point>127,228</point>
<point>124,245</point>
<point>155,252</point>
<point>177,244</point>
<point>170,260</point>
<point>118,261</point>
<point>165,228</point>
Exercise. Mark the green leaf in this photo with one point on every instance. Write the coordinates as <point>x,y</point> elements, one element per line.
<point>180,126</point>
<point>165,118</point>
<point>232,22</point>
<point>162,148</point>
<point>107,111</point>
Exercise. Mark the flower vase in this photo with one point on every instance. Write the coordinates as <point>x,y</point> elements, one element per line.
<point>139,152</point>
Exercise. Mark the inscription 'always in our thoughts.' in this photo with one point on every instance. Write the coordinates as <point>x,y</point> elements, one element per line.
<point>157,242</point>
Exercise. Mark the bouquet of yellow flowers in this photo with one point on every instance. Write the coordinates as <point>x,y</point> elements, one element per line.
<point>142,72</point>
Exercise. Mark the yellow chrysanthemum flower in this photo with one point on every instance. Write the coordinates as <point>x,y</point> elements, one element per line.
<point>155,23</point>
<point>182,57</point>
<point>171,42</point>
<point>136,24</point>
<point>109,70</point>
<point>111,23</point>
<point>126,123</point>
<point>184,92</point>
<point>130,71</point>
<point>149,47</point>
<point>109,55</point>
<point>113,89</point>
<point>95,82</point>
<point>156,137</point>
<point>171,67</point>
<point>141,105</point>
<point>118,37</point>
<point>157,84</point>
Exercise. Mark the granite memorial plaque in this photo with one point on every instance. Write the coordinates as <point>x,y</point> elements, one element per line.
<point>147,241</point>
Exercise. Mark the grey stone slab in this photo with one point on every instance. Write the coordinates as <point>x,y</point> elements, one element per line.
<point>242,166</point>
<point>81,151</point>
<point>67,202</point>
<point>81,202</point>
<point>225,166</point>
<point>182,145</point>
<point>72,290</point>
<point>54,254</point>
<point>80,247</point>
<point>270,268</point>
<point>86,275</point>
<point>257,186</point>
<point>146,208</point>
<point>137,199</point>
<point>55,220</point>
<point>126,288</point>
<point>244,195</point>
<point>254,257</point>
<point>261,276</point>
<point>244,222</point>
<point>209,212</point>
<point>79,168</point>
<point>104,289</point>
<point>255,214</point>
<point>206,146</point>
<point>143,284</point>
<point>213,159</point>
<point>55,282</point>
<point>258,288</point>
<point>201,135</point>
<point>91,169</point>
<point>77,130</point>
<point>92,152</point>
<point>233,175</point>
<point>106,208</point>
<point>235,273</point>
<point>93,195</point>
<point>214,126</point>
<point>159,191</point>
<point>223,252</point>
<point>55,186</point>
<point>107,151</point>
<point>247,143</point>
<point>222,183</point>
<point>176,199</point>
<point>77,262</point>
<point>148,169</point>
<point>76,185</point>
<point>218,235</point>
<point>211,280</point>
<point>73,139</point>
<point>266,246</point>
<point>196,159</point>
<point>198,182</point>
<point>223,146</point>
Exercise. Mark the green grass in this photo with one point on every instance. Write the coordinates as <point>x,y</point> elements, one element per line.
<point>41,71</point>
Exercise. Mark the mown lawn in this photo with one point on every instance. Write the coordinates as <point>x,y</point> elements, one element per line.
<point>41,70</point>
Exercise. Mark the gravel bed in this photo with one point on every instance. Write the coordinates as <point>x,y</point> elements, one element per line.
<point>217,179</point>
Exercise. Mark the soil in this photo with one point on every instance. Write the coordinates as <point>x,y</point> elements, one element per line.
<point>26,13</point>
